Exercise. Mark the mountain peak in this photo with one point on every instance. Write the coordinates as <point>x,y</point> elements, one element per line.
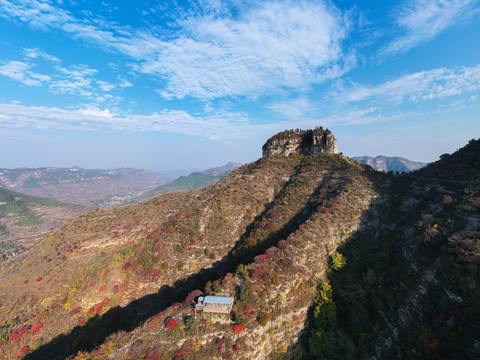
<point>313,141</point>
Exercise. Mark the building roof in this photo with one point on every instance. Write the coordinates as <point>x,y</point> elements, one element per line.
<point>227,300</point>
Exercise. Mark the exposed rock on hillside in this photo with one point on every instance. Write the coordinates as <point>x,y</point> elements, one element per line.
<point>315,141</point>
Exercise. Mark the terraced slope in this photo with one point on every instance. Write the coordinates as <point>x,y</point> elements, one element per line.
<point>26,219</point>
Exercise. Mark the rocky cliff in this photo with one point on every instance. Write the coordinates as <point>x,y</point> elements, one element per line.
<point>301,141</point>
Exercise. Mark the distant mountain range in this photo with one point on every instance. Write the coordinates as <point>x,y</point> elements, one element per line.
<point>386,163</point>
<point>97,188</point>
<point>193,181</point>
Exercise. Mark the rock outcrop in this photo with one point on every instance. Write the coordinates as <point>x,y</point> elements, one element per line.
<point>302,141</point>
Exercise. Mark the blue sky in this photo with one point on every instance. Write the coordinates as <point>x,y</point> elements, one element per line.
<point>181,84</point>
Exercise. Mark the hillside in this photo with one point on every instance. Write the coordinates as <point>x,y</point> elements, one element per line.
<point>395,164</point>
<point>196,180</point>
<point>325,257</point>
<point>25,219</point>
<point>95,188</point>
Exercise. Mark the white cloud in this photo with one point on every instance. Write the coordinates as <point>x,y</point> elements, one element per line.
<point>40,54</point>
<point>217,124</point>
<point>423,20</point>
<point>267,46</point>
<point>19,71</point>
<point>417,87</point>
<point>74,80</point>
<point>294,108</point>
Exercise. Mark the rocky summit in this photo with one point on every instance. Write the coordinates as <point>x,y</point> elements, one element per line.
<point>319,257</point>
<point>315,141</point>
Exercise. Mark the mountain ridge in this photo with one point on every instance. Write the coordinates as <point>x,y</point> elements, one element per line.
<point>320,225</point>
<point>390,163</point>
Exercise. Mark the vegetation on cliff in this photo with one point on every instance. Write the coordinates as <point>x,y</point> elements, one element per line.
<point>326,258</point>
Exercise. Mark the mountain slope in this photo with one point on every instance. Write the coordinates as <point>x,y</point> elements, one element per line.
<point>143,256</point>
<point>325,257</point>
<point>386,163</point>
<point>81,186</point>
<point>196,180</point>
<point>24,219</point>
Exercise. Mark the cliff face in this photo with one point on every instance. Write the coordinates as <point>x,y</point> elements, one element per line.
<point>301,141</point>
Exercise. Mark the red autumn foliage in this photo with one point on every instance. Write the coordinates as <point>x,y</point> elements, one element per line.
<point>260,258</point>
<point>1,343</point>
<point>320,201</point>
<point>326,210</point>
<point>36,327</point>
<point>269,225</point>
<point>153,354</point>
<point>38,279</point>
<point>273,215</point>
<point>55,304</point>
<point>23,351</point>
<point>76,310</point>
<point>25,281</point>
<point>116,289</point>
<point>258,273</point>
<point>169,230</point>
<point>98,307</point>
<point>302,170</point>
<point>220,345</point>
<point>202,237</point>
<point>334,204</point>
<point>102,288</point>
<point>91,229</point>
<point>282,244</point>
<point>237,329</point>
<point>310,163</point>
<point>254,313</point>
<point>20,332</point>
<point>191,296</point>
<point>235,348</point>
<point>127,265</point>
<point>171,324</point>
<point>270,252</point>
<point>193,241</point>
<point>247,310</point>
<point>81,322</point>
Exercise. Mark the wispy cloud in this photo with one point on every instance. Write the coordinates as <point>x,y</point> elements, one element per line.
<point>217,124</point>
<point>20,71</point>
<point>73,80</point>
<point>271,46</point>
<point>267,46</point>
<point>417,87</point>
<point>423,20</point>
<point>35,53</point>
